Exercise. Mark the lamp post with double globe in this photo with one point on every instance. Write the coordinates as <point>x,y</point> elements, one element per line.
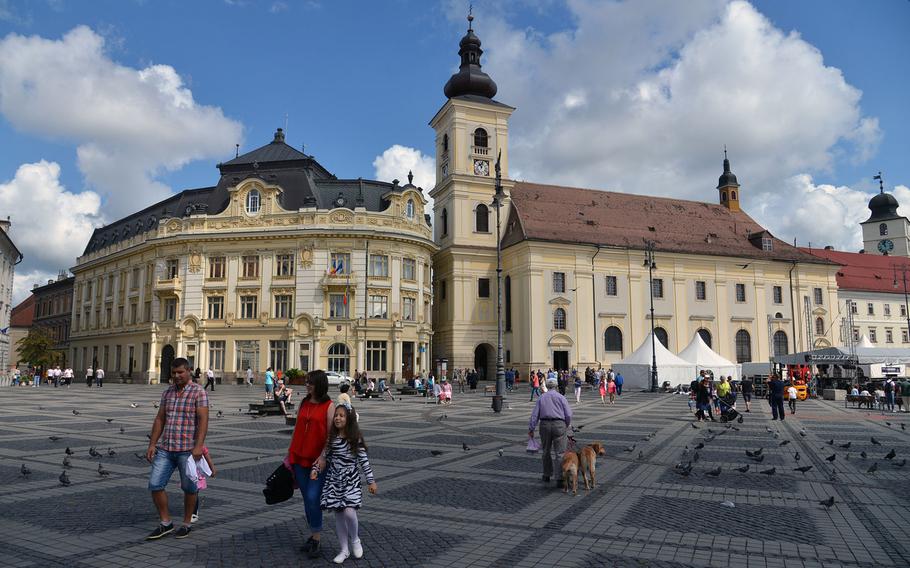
<point>649,262</point>
<point>498,198</point>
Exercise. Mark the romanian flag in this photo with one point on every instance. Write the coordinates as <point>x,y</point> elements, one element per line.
<point>345,300</point>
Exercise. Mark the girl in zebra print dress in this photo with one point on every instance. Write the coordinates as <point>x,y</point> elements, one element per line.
<point>341,492</point>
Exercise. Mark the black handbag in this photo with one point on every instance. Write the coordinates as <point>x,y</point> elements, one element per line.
<point>279,486</point>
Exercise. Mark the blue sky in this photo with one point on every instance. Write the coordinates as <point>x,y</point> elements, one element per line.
<point>807,95</point>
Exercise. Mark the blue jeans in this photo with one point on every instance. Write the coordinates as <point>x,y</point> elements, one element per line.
<point>535,390</point>
<point>163,467</point>
<point>889,396</point>
<point>312,493</point>
<point>618,389</point>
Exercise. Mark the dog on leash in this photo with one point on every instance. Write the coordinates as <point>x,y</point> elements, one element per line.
<point>588,459</point>
<point>570,461</point>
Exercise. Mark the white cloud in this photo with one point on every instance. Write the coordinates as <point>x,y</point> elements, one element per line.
<point>641,97</point>
<point>50,225</point>
<point>130,125</point>
<point>395,163</point>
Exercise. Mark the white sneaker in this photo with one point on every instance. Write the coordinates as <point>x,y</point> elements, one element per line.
<point>357,547</point>
<point>342,556</point>
<point>194,518</point>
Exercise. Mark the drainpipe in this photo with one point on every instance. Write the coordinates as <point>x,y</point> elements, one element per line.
<point>594,302</point>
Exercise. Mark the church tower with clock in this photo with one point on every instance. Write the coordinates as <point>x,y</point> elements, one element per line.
<point>886,232</point>
<point>471,134</point>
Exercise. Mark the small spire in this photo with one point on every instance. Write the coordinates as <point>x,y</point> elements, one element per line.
<point>470,17</point>
<point>410,177</point>
<point>279,135</point>
<point>881,184</point>
<point>236,150</point>
<point>725,151</point>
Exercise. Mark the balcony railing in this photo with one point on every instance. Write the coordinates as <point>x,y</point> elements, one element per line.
<point>480,150</point>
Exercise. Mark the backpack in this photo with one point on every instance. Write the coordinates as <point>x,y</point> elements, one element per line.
<point>889,385</point>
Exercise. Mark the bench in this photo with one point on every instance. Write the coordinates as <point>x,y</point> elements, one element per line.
<point>407,390</point>
<point>269,407</point>
<point>372,394</point>
<point>859,400</point>
<point>290,420</point>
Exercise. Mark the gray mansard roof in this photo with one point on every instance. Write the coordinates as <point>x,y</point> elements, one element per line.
<point>304,183</point>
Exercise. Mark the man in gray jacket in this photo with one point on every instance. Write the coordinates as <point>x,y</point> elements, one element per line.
<point>553,414</point>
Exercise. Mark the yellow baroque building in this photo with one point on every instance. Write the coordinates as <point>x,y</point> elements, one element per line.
<point>576,288</point>
<point>281,264</point>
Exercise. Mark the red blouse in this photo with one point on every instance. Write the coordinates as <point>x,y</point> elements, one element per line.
<point>309,434</point>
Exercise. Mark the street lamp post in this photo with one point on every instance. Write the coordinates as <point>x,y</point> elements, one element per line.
<point>903,270</point>
<point>498,198</point>
<point>649,262</point>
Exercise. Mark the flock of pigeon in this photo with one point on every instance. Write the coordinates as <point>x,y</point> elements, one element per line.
<point>756,457</point>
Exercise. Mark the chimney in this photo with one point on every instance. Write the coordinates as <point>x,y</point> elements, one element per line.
<point>829,247</point>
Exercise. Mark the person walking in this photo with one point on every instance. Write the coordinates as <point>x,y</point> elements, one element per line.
<point>308,449</point>
<point>578,384</point>
<point>99,378</point>
<point>747,387</point>
<point>890,394</point>
<point>269,383</point>
<point>535,386</point>
<point>792,395</point>
<point>210,379</point>
<point>342,491</point>
<point>89,377</point>
<point>554,416</point>
<point>776,397</point>
<point>249,377</point>
<point>602,387</point>
<point>619,380</point>
<point>197,374</point>
<point>178,435</point>
<point>703,400</point>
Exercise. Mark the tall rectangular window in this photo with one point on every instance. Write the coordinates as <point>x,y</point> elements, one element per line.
<point>216,355</point>
<point>612,290</point>
<point>778,295</point>
<point>379,307</point>
<point>408,269</point>
<point>887,308</point>
<point>408,309</point>
<point>284,265</point>
<point>855,334</point>
<point>283,306</point>
<point>340,263</point>
<point>147,312</point>
<point>171,269</point>
<point>559,282</point>
<point>701,292</point>
<point>379,266</point>
<point>873,335</point>
<point>442,289</point>
<point>854,309</point>
<point>118,357</point>
<point>338,306</point>
<point>376,355</point>
<point>120,316</point>
<point>657,290</point>
<point>483,287</point>
<point>216,307</point>
<point>904,337</point>
<point>134,279</point>
<point>216,267</point>
<point>889,336</point>
<point>250,266</point>
<point>903,311</point>
<point>819,298</point>
<point>740,293</point>
<point>870,309</point>
<point>249,305</point>
<point>170,309</point>
<point>278,354</point>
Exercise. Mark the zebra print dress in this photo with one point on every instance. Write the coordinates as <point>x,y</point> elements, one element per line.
<point>342,481</point>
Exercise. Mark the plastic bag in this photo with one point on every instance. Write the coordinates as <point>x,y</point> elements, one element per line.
<point>533,446</point>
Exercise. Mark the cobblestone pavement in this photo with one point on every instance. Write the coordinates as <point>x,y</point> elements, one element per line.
<point>466,508</point>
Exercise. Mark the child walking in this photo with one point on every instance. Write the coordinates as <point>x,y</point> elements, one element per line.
<point>603,392</point>
<point>611,388</point>
<point>342,489</point>
<point>200,481</point>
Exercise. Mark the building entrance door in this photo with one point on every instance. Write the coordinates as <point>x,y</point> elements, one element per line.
<point>407,360</point>
<point>560,360</point>
<point>167,357</point>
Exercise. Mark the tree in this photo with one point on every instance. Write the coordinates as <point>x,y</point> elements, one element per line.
<point>37,348</point>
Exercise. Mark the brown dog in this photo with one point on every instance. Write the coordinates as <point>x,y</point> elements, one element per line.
<point>570,471</point>
<point>588,457</point>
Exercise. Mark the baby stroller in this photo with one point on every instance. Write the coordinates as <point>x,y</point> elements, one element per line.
<point>727,411</point>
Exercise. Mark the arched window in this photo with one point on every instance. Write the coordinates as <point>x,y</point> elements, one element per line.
<point>482,219</point>
<point>480,138</point>
<point>723,195</point>
<point>661,335</point>
<point>559,319</point>
<point>743,347</point>
<point>409,209</point>
<point>819,326</point>
<point>445,222</point>
<point>780,344</point>
<point>705,336</point>
<point>445,142</point>
<point>613,339</point>
<point>883,229</point>
<point>339,358</point>
<point>252,201</point>
<point>507,294</point>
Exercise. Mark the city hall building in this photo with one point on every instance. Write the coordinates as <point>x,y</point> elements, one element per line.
<point>281,264</point>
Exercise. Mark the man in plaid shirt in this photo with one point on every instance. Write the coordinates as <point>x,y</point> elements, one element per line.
<point>178,435</point>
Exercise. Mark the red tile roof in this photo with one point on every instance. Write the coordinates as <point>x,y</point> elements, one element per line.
<point>866,272</point>
<point>23,314</point>
<point>573,215</point>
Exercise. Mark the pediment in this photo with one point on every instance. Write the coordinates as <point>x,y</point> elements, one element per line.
<point>560,340</point>
<point>560,301</point>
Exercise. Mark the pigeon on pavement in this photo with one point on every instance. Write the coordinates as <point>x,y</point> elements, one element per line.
<point>769,471</point>
<point>714,472</point>
<point>743,469</point>
<point>891,455</point>
<point>729,504</point>
<point>803,469</point>
<point>69,452</point>
<point>828,503</point>
<point>831,458</point>
<point>845,446</point>
<point>872,468</point>
<point>875,442</point>
<point>53,438</point>
<point>25,471</point>
<point>103,472</point>
<point>464,447</point>
<point>64,479</point>
<point>75,412</point>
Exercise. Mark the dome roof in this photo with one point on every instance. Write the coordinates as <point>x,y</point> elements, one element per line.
<point>470,80</point>
<point>883,206</point>
<point>727,178</point>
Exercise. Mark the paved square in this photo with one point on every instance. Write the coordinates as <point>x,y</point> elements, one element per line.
<point>466,508</point>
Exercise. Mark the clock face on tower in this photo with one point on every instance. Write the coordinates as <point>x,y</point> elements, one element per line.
<point>481,168</point>
<point>885,246</point>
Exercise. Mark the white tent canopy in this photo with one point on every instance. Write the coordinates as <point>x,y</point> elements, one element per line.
<point>636,368</point>
<point>704,358</point>
<point>864,342</point>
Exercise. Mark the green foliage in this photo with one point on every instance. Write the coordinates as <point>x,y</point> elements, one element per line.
<point>293,374</point>
<point>37,348</point>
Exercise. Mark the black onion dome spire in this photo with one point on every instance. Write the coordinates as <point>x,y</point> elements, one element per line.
<point>470,80</point>
<point>727,178</point>
<point>883,206</point>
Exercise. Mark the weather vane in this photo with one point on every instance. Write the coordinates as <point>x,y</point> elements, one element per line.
<point>881,185</point>
<point>470,15</point>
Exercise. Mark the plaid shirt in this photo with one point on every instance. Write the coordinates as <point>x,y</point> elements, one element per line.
<point>179,433</point>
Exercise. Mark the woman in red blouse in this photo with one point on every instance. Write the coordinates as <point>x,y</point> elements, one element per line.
<point>308,445</point>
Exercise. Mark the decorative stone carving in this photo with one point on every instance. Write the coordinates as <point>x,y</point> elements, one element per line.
<point>305,256</point>
<point>341,217</point>
<point>195,262</point>
<point>229,319</point>
<point>264,318</point>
